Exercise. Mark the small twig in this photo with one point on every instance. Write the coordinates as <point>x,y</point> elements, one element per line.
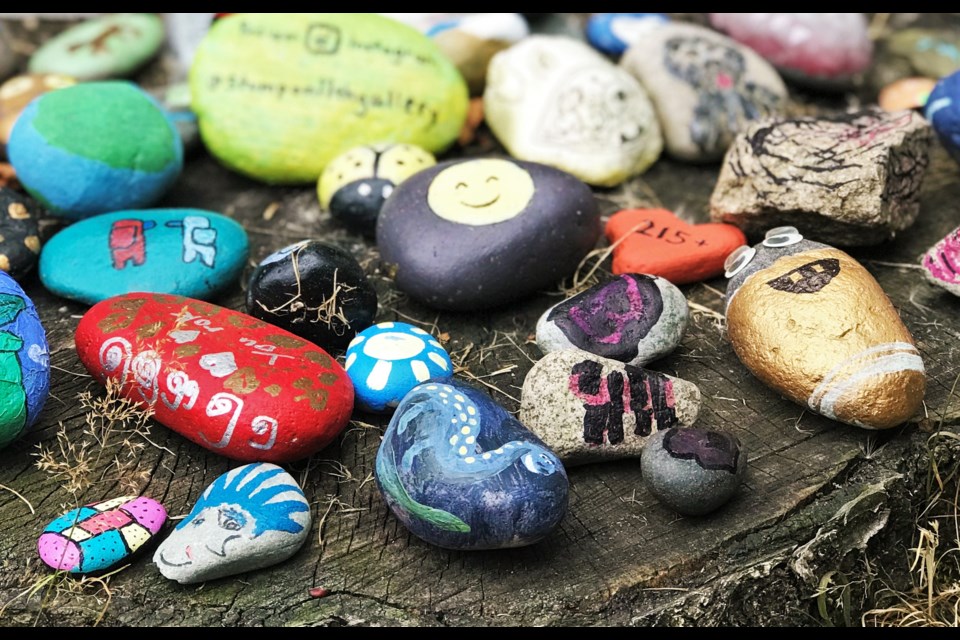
<point>24,500</point>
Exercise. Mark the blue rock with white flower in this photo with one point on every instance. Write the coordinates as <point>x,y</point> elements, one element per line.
<point>461,473</point>
<point>250,518</point>
<point>613,33</point>
<point>943,112</point>
<point>388,360</point>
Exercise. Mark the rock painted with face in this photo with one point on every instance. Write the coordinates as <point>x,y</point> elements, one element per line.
<point>705,87</point>
<point>19,233</point>
<point>477,234</point>
<point>942,263</point>
<point>943,112</point>
<point>100,536</point>
<point>812,323</point>
<point>591,409</point>
<point>355,185</point>
<point>693,471</point>
<point>634,319</point>
<point>24,362</point>
<point>554,100</point>
<point>16,93</point>
<point>613,33</point>
<point>461,473</point>
<point>852,179</point>
<point>249,518</point>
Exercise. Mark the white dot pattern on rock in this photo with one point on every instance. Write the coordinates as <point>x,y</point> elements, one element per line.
<point>470,430</point>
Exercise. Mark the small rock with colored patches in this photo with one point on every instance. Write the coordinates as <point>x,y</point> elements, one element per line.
<point>100,536</point>
<point>614,33</point>
<point>693,471</point>
<point>19,233</point>
<point>633,318</point>
<point>591,409</point>
<point>942,263</point>
<point>314,290</point>
<point>389,359</point>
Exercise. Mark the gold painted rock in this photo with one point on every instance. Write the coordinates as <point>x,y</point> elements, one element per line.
<point>280,95</point>
<point>810,322</point>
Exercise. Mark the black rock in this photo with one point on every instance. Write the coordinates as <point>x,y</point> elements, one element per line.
<point>19,233</point>
<point>314,290</point>
<point>357,205</point>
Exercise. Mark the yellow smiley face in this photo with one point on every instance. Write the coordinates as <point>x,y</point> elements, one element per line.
<point>481,192</point>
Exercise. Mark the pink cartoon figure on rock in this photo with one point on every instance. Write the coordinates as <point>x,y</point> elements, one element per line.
<point>942,263</point>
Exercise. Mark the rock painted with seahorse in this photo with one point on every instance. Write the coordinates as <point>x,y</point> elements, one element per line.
<point>461,473</point>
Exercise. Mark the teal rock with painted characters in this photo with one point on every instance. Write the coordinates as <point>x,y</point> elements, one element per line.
<point>94,148</point>
<point>186,252</point>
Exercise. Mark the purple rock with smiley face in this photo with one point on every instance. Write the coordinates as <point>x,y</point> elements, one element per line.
<point>249,518</point>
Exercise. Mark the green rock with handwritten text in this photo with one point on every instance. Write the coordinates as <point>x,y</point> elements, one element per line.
<point>280,95</point>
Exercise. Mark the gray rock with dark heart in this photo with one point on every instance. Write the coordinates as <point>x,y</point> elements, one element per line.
<point>590,409</point>
<point>633,318</point>
<point>250,518</point>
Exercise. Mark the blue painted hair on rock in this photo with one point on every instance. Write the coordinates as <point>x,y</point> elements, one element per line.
<point>270,516</point>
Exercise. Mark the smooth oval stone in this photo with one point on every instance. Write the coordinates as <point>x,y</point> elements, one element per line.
<point>554,100</point>
<point>943,113</point>
<point>942,263</point>
<point>314,290</point>
<point>19,233</point>
<point>634,319</point>
<point>94,148</point>
<point>18,92</point>
<point>656,242</point>
<point>591,409</point>
<point>355,185</point>
<point>613,33</point>
<point>461,473</point>
<point>705,87</point>
<point>388,360</point>
<point>478,234</point>
<point>471,41</point>
<point>812,47</point>
<point>693,471</point>
<point>280,95</point>
<point>24,362</point>
<point>810,322</point>
<point>186,252</point>
<point>100,536</point>
<point>236,386</point>
<point>250,518</point>
<point>906,93</point>
<point>934,53</point>
<point>111,46</point>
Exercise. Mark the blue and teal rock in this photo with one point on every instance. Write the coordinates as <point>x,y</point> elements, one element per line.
<point>186,252</point>
<point>24,362</point>
<point>95,148</point>
<point>461,473</point>
<point>112,46</point>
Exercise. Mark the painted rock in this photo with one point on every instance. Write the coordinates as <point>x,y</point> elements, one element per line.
<point>19,233</point>
<point>94,148</point>
<point>250,518</point>
<point>693,471</point>
<point>614,33</point>
<point>928,52</point>
<point>17,92</point>
<point>354,186</point>
<point>942,263</point>
<point>634,318</point>
<point>591,409</point>
<point>869,167</point>
<point>111,46</point>
<point>661,244</point>
<point>943,112</point>
<point>706,88</point>
<point>314,290</point>
<point>812,323</point>
<point>387,361</point>
<point>461,473</point>
<point>100,536</point>
<point>8,58</point>
<point>906,93</point>
<point>186,252</point>
<point>812,47</point>
<point>472,40</point>
<point>234,385</point>
<point>293,78</point>
<point>478,234</point>
<point>554,100</point>
<point>24,362</point>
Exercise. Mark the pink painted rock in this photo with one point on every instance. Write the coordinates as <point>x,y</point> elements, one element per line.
<point>99,536</point>
<point>942,263</point>
<point>814,46</point>
<point>228,382</point>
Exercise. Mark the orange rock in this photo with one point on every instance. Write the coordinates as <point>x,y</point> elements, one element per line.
<point>660,244</point>
<point>908,93</point>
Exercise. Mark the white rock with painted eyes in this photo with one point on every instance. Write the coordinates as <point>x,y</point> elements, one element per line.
<point>248,519</point>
